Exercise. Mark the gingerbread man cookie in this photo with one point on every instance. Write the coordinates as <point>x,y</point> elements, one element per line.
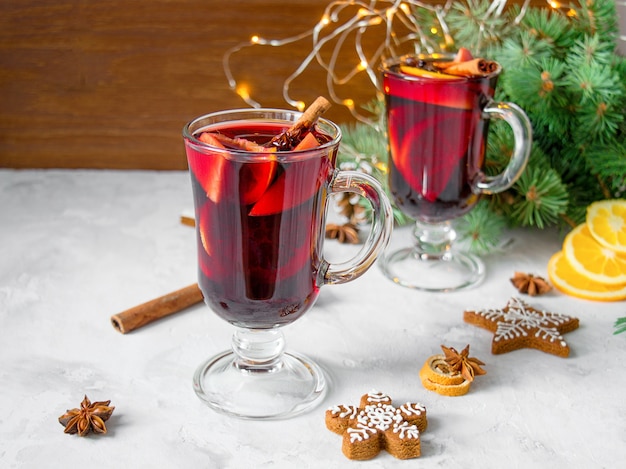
<point>376,424</point>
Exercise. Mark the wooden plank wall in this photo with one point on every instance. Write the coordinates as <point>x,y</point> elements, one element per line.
<point>110,83</point>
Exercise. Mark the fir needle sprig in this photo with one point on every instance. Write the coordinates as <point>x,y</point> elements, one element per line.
<point>620,325</point>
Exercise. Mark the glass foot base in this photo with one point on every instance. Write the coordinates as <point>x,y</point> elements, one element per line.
<point>451,272</point>
<point>289,387</point>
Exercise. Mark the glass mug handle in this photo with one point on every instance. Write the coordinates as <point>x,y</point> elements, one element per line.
<point>380,231</point>
<point>522,134</point>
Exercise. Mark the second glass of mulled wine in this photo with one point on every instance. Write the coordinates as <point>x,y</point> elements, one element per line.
<point>437,125</point>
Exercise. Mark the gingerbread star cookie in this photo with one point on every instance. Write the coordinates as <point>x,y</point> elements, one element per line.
<point>519,325</point>
<point>376,424</point>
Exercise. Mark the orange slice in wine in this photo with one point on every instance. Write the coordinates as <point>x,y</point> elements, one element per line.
<point>208,168</point>
<point>429,152</point>
<point>308,142</point>
<point>255,178</point>
<point>292,187</point>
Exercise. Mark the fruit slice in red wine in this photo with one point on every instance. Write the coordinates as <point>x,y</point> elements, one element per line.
<point>209,168</point>
<point>425,157</point>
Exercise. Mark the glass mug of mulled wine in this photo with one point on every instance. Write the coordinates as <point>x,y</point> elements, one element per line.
<point>437,126</point>
<point>260,215</point>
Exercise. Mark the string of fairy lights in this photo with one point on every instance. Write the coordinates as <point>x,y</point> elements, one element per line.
<point>345,23</point>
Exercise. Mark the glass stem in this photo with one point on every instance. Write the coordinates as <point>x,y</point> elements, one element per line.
<point>433,240</point>
<point>258,350</point>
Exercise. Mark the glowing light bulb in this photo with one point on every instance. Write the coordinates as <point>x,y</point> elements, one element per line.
<point>243,91</point>
<point>255,39</point>
<point>554,4</point>
<point>300,106</point>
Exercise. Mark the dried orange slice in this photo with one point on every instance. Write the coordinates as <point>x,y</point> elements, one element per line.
<point>444,389</point>
<point>607,223</point>
<point>569,281</point>
<point>591,259</point>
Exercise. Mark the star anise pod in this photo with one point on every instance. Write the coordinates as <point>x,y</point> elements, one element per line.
<point>531,284</point>
<point>346,233</point>
<point>89,417</point>
<point>348,206</point>
<point>463,363</point>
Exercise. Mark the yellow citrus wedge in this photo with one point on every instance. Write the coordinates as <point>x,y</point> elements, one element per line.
<point>593,260</point>
<point>607,222</point>
<point>566,279</point>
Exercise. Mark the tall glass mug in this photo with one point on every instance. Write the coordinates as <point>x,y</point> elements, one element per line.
<point>260,224</point>
<point>437,128</point>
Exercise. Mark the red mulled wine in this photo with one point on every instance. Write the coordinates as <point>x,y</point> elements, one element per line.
<point>437,138</point>
<point>260,223</point>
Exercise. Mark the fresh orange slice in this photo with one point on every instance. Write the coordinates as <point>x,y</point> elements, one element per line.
<point>593,260</point>
<point>607,223</point>
<point>569,281</point>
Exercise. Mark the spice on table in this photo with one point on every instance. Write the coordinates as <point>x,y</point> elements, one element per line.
<point>150,311</point>
<point>346,233</point>
<point>89,417</point>
<point>349,207</point>
<point>530,284</point>
<point>463,363</point>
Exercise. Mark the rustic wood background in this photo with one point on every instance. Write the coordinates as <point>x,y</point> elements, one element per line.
<point>110,83</point>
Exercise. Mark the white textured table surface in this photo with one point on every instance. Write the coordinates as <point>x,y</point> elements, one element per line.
<point>79,246</point>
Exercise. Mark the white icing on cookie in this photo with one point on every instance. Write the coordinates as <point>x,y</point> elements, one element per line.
<point>360,432</point>
<point>518,320</point>
<point>342,411</point>
<point>412,408</point>
<point>374,396</point>
<point>406,431</point>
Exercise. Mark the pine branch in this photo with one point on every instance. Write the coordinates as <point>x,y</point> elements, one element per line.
<point>620,325</point>
<point>543,198</point>
<point>609,164</point>
<point>550,28</point>
<point>481,229</point>
<point>475,28</point>
<point>597,17</point>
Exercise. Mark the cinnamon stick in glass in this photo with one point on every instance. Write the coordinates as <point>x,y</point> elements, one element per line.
<point>145,313</point>
<point>469,68</point>
<point>290,138</point>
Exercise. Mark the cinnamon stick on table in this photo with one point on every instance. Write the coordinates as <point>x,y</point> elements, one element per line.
<point>145,313</point>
